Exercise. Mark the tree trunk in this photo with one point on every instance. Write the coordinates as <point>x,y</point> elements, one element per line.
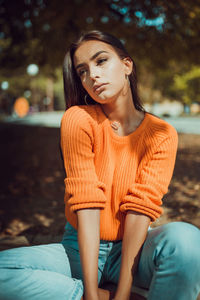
<point>50,94</point>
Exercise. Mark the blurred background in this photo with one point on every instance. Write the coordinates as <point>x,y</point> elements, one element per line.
<point>161,36</point>
<point>163,39</point>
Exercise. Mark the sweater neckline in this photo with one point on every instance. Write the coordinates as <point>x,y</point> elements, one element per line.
<point>124,138</point>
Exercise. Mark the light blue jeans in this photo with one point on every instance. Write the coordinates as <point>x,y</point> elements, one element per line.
<point>169,266</point>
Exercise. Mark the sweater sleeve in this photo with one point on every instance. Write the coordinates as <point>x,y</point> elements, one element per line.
<point>145,195</point>
<point>82,187</point>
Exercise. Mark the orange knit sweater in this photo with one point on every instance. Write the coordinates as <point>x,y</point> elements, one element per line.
<point>115,173</point>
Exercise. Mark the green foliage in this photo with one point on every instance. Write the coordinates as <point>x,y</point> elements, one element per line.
<point>154,30</point>
<point>158,34</point>
<point>187,85</point>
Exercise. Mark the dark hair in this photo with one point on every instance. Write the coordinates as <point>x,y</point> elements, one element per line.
<point>73,89</point>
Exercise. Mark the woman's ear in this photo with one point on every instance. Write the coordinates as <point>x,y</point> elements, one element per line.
<point>128,65</point>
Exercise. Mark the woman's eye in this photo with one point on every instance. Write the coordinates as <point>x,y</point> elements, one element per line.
<point>101,61</point>
<point>81,72</point>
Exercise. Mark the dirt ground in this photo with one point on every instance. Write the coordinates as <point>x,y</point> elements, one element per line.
<point>32,187</point>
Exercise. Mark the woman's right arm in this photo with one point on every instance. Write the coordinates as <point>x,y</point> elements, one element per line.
<point>84,194</point>
<point>88,239</point>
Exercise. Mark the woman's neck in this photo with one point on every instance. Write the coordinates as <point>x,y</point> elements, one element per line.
<point>123,112</point>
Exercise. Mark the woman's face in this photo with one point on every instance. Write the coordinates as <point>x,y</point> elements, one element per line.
<point>102,72</point>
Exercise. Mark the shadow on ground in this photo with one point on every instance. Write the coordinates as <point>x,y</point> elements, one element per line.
<point>32,187</point>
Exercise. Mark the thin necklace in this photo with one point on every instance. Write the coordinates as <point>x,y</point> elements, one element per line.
<point>115,125</point>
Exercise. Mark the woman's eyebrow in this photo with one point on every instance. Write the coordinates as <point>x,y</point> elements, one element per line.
<point>92,58</point>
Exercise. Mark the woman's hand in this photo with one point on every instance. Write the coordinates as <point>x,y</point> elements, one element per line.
<point>103,294</point>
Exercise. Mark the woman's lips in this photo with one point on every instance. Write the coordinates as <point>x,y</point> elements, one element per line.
<point>97,88</point>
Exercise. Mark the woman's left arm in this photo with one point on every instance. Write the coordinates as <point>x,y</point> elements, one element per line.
<point>135,231</point>
<point>145,194</point>
<point>142,205</point>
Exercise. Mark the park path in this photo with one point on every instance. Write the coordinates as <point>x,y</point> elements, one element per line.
<point>187,124</point>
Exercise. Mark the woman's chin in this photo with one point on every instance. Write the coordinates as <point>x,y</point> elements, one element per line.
<point>103,99</point>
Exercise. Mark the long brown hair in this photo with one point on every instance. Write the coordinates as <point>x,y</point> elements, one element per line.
<point>73,89</point>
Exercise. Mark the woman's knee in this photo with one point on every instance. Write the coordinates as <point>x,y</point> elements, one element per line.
<point>180,237</point>
<point>50,257</point>
<point>178,248</point>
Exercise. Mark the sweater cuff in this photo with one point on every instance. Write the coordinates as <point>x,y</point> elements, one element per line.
<point>83,193</point>
<point>153,212</point>
<point>75,207</point>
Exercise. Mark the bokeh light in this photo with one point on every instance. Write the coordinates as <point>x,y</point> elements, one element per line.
<point>5,85</point>
<point>32,69</point>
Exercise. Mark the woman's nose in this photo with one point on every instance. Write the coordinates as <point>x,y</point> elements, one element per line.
<point>94,73</point>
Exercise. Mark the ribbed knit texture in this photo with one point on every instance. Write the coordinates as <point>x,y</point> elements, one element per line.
<point>115,173</point>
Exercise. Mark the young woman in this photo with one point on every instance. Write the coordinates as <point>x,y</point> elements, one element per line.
<point>119,161</point>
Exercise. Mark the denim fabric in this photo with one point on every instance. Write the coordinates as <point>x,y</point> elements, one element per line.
<point>169,266</point>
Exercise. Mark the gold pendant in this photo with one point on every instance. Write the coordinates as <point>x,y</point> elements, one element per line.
<point>115,125</point>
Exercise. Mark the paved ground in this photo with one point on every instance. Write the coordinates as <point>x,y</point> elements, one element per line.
<point>52,119</point>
